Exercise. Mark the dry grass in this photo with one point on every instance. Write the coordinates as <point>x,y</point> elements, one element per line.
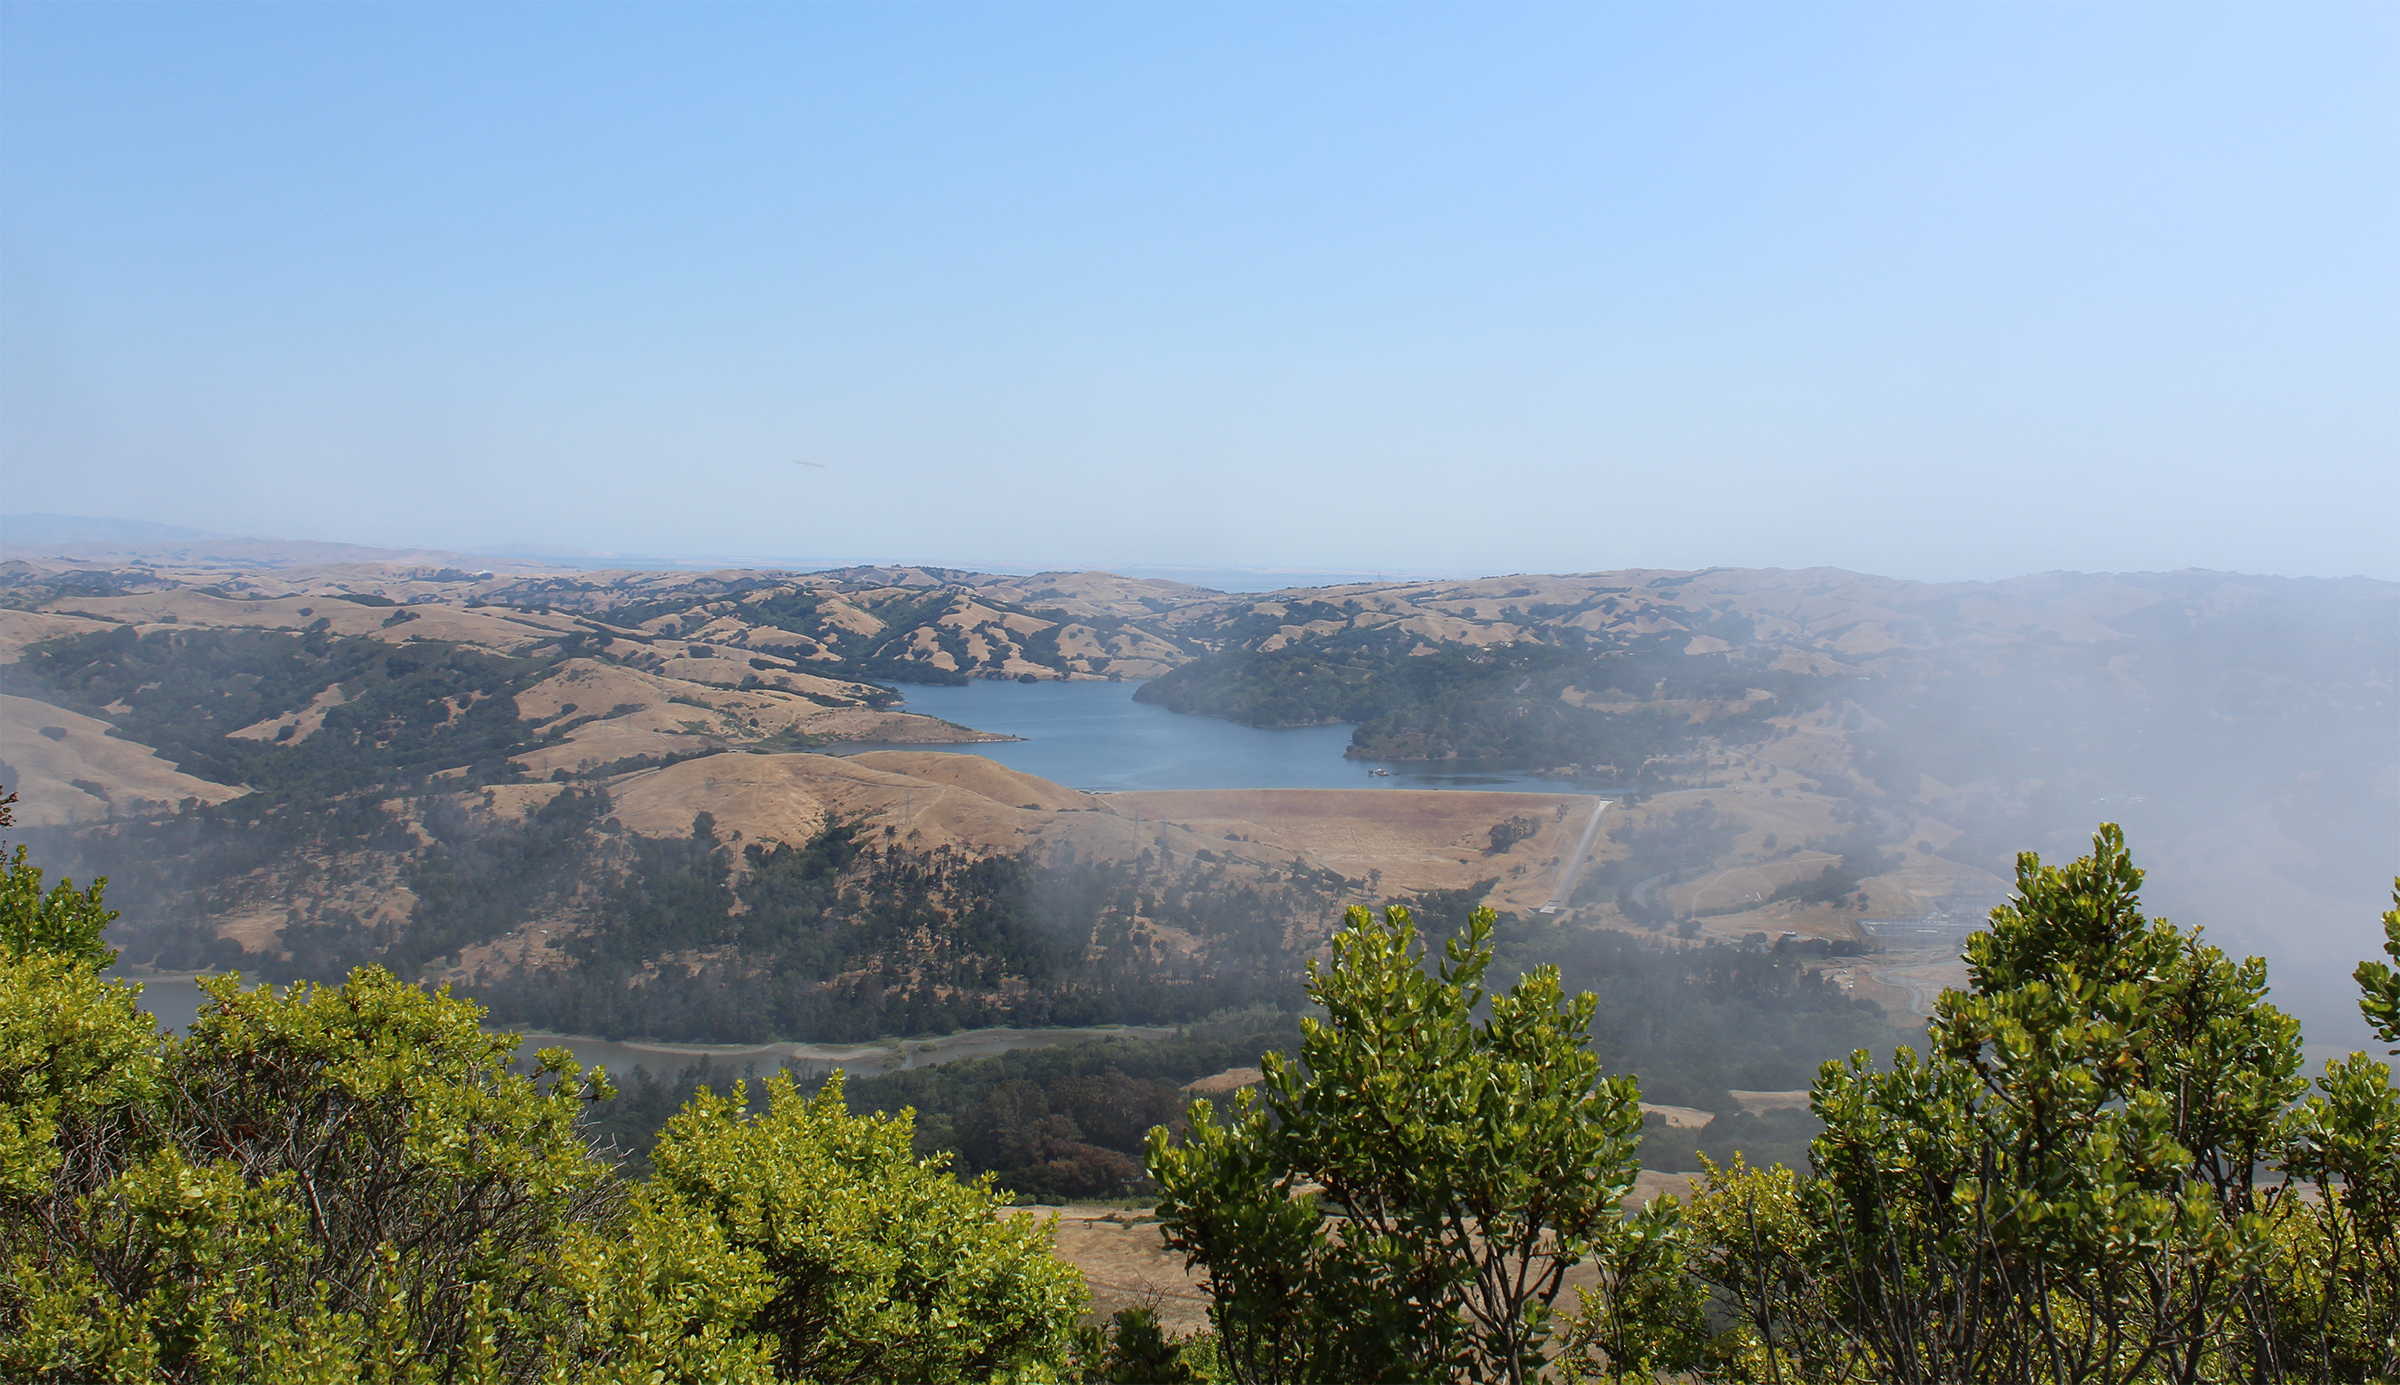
<point>68,769</point>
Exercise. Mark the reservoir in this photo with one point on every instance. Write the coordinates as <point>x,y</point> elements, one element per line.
<point>1091,736</point>
<point>1095,737</point>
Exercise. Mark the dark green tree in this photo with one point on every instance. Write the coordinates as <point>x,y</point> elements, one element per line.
<point>2328,1306</point>
<point>2064,1190</point>
<point>1406,1200</point>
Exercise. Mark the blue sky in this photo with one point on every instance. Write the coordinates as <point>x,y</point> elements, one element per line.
<point>1936,291</point>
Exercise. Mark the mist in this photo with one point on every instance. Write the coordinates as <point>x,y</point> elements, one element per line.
<point>2245,736</point>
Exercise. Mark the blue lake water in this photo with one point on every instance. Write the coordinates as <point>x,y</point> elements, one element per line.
<point>1094,736</point>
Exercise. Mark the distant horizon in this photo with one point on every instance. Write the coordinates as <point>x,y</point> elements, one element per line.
<point>1243,579</point>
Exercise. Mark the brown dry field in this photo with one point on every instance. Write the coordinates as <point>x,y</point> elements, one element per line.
<point>55,752</point>
<point>1418,839</point>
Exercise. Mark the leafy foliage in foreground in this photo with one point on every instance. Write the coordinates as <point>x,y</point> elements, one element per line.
<point>352,1177</point>
<point>2094,1175</point>
<point>886,1267</point>
<point>1472,1164</point>
<point>61,922</point>
<point>2068,1187</point>
<point>351,1184</point>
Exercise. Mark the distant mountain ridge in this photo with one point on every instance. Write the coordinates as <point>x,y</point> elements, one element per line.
<point>100,543</point>
<point>48,529</point>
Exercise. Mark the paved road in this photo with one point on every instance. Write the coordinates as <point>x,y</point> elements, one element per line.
<point>1574,867</point>
<point>1645,892</point>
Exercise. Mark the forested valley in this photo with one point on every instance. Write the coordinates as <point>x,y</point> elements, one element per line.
<point>1069,1121</point>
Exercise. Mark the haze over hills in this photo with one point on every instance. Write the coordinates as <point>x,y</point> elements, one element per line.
<point>46,530</point>
<point>101,542</point>
<point>1813,752</point>
<point>948,552</point>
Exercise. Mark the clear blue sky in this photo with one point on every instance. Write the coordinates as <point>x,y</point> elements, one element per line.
<point>1936,291</point>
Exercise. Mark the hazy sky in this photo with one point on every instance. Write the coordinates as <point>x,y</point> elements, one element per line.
<point>1933,291</point>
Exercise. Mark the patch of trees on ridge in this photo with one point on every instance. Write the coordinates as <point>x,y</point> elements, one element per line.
<point>890,654</point>
<point>855,934</point>
<point>1055,1123</point>
<point>850,935</point>
<point>1500,704</point>
<point>408,710</point>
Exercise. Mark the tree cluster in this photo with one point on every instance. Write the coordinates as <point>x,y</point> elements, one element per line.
<point>853,935</point>
<point>350,1184</point>
<point>1496,703</point>
<point>2106,1167</point>
<point>403,713</point>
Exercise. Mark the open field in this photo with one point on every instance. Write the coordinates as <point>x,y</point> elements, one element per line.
<point>1405,839</point>
<point>68,769</point>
